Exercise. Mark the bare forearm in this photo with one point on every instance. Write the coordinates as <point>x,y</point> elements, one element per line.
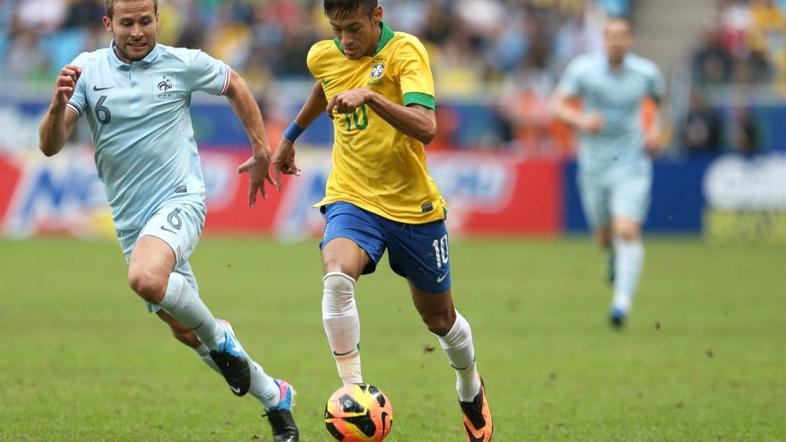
<point>52,133</point>
<point>245,106</point>
<point>567,113</point>
<point>417,123</point>
<point>314,106</point>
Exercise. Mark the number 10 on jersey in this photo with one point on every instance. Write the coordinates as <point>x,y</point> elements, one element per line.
<point>352,117</point>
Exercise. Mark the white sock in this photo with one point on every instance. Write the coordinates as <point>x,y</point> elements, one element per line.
<point>460,351</point>
<point>183,303</point>
<point>342,325</point>
<point>628,261</point>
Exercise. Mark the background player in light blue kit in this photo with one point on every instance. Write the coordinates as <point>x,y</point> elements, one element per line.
<point>136,97</point>
<point>615,170</point>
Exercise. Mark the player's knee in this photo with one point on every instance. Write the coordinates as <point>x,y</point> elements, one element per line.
<point>339,291</point>
<point>440,322</point>
<point>628,234</point>
<point>147,285</point>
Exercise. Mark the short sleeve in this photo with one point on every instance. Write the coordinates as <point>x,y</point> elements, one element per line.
<point>570,84</point>
<point>655,86</point>
<point>78,101</point>
<point>207,74</point>
<point>311,60</point>
<point>416,80</point>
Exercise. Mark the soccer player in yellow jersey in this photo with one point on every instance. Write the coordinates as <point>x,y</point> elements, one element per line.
<point>376,85</point>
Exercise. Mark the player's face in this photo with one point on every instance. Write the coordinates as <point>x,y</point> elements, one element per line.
<point>618,40</point>
<point>358,33</point>
<point>134,28</point>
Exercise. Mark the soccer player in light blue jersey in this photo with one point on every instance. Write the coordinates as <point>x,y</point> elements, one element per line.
<point>136,97</point>
<point>615,169</point>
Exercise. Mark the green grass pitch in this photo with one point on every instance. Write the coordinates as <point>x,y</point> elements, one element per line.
<point>703,357</point>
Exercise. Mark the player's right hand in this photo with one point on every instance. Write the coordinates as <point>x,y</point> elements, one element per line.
<point>592,123</point>
<point>66,84</point>
<point>284,161</point>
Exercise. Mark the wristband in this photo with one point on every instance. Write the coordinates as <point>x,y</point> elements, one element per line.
<point>292,132</point>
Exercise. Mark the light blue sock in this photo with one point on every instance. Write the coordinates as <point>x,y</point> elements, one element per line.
<point>628,261</point>
<point>184,304</point>
<point>263,387</point>
<point>204,355</point>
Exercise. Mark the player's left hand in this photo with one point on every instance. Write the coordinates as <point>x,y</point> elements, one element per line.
<point>258,169</point>
<point>347,102</point>
<point>653,143</point>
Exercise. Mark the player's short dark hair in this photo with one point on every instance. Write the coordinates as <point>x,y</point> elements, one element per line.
<point>344,8</point>
<point>109,6</point>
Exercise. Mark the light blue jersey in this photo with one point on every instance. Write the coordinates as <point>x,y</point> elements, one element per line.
<point>617,96</point>
<point>140,120</point>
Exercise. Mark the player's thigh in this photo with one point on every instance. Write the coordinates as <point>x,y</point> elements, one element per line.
<point>420,253</point>
<point>594,194</point>
<point>353,242</point>
<point>165,243</point>
<point>178,224</point>
<point>151,258</point>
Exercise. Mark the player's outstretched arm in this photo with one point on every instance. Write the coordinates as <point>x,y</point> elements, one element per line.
<point>415,121</point>
<point>653,137</point>
<point>565,111</point>
<point>58,123</point>
<point>247,110</point>
<point>284,157</point>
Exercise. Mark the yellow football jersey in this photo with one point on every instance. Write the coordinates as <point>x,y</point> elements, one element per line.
<point>375,166</point>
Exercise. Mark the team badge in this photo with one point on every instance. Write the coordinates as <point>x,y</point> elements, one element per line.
<point>163,89</point>
<point>377,71</point>
<point>165,84</point>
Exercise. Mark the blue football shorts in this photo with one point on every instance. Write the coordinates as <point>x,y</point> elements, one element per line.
<point>418,252</point>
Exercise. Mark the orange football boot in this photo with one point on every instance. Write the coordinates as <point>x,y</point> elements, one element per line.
<point>477,417</point>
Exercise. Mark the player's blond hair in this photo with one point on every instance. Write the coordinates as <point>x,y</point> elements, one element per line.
<point>109,7</point>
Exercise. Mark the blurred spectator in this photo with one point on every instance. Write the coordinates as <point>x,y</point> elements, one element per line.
<point>746,44</point>
<point>42,16</point>
<point>478,49</point>
<point>742,132</point>
<point>711,62</point>
<point>84,13</point>
<point>25,59</point>
<point>701,134</point>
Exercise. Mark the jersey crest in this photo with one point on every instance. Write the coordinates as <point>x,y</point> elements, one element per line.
<point>378,70</point>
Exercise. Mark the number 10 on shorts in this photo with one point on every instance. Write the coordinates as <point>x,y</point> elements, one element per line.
<point>441,250</point>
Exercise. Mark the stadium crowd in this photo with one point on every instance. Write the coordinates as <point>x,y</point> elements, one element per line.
<point>743,47</point>
<point>504,55</point>
<point>744,44</point>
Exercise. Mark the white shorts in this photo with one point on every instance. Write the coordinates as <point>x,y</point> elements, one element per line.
<point>621,192</point>
<point>179,224</point>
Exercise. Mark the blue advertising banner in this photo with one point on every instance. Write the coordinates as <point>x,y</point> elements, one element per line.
<point>677,197</point>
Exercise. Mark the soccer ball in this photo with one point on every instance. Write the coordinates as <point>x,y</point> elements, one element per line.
<point>358,413</point>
